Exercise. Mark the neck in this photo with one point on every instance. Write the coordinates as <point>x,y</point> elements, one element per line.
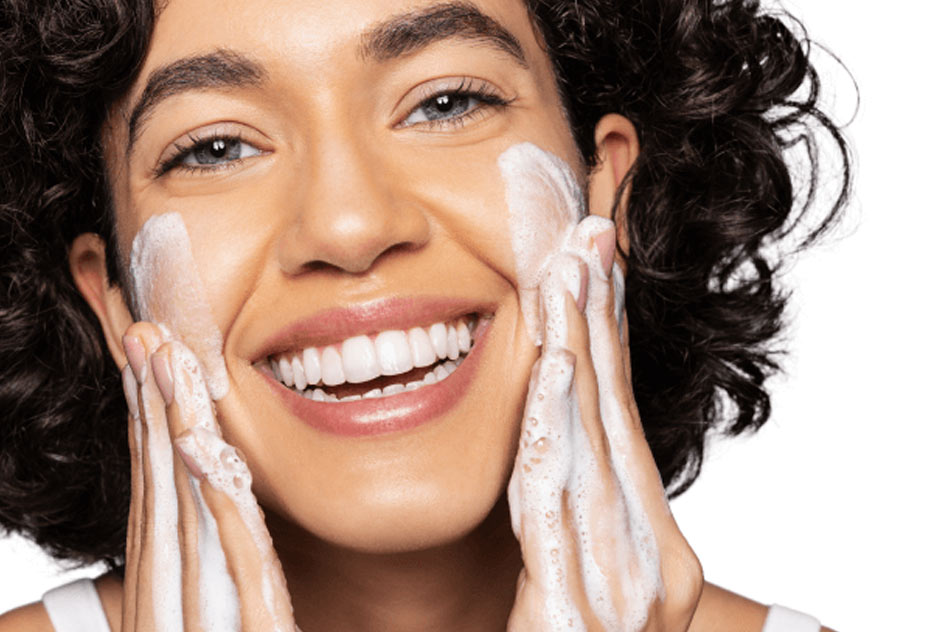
<point>465,585</point>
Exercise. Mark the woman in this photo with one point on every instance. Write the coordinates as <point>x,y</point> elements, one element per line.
<point>357,235</point>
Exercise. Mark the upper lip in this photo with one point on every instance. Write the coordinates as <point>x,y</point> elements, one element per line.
<point>338,323</point>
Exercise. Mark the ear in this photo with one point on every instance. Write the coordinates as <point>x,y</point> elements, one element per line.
<point>617,148</point>
<point>87,262</point>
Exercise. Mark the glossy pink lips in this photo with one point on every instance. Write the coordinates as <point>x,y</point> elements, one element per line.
<point>391,413</point>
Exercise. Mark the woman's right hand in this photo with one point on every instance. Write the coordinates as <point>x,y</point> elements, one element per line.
<point>198,553</point>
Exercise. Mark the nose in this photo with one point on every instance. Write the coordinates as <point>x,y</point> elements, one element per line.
<point>349,213</point>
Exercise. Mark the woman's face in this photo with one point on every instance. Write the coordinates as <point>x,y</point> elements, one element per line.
<point>333,183</point>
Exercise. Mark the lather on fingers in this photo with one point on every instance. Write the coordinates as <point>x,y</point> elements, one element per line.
<point>232,527</point>
<point>156,579</point>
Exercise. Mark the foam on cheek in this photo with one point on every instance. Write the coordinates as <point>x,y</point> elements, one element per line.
<point>544,201</point>
<point>167,290</point>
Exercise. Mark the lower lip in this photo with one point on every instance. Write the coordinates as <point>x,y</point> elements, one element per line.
<point>393,413</point>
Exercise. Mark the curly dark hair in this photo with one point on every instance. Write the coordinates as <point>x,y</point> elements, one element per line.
<point>718,89</point>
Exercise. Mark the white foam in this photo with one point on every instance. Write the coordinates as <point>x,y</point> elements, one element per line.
<point>167,290</point>
<point>544,201</point>
<point>545,205</point>
<point>228,473</point>
<point>166,563</point>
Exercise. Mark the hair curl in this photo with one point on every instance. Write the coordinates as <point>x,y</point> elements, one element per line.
<point>718,91</point>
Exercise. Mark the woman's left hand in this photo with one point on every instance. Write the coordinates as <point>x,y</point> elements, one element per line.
<point>600,547</point>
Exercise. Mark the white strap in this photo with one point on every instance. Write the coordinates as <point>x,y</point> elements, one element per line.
<point>76,607</point>
<point>781,619</point>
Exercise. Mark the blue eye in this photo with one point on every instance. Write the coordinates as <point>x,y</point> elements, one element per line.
<point>455,106</point>
<point>209,154</point>
<point>443,106</point>
<point>217,151</point>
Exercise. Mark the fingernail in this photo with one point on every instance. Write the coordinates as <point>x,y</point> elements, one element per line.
<point>162,369</point>
<point>135,352</point>
<point>184,446</point>
<point>130,386</point>
<point>606,246</point>
<point>577,284</point>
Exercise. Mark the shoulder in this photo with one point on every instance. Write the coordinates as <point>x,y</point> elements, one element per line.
<point>720,610</point>
<point>30,617</point>
<point>33,617</point>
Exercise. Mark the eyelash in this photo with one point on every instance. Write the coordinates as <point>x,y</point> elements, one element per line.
<point>482,94</point>
<point>194,143</point>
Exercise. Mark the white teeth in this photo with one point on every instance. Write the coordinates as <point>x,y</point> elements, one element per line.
<point>439,339</point>
<point>317,395</point>
<point>286,372</point>
<point>394,352</point>
<point>299,375</point>
<point>359,360</point>
<point>422,353</point>
<point>464,337</point>
<point>375,392</point>
<point>440,372</point>
<point>331,365</point>
<point>391,389</point>
<point>311,365</point>
<point>453,351</point>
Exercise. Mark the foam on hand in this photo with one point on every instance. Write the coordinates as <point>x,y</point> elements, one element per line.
<point>550,241</point>
<point>167,290</point>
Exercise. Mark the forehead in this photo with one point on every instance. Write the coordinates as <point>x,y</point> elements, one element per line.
<point>321,32</point>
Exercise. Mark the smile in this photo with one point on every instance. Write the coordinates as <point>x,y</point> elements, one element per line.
<point>388,363</point>
<point>379,368</point>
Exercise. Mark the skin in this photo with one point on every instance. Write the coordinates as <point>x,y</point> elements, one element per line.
<point>342,204</point>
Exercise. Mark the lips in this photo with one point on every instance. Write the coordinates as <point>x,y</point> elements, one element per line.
<point>380,379</point>
<point>364,358</point>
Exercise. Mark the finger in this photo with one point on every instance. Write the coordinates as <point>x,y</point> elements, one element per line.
<point>536,492</point>
<point>209,595</point>
<point>158,580</point>
<point>133,532</point>
<point>597,513</point>
<point>222,482</point>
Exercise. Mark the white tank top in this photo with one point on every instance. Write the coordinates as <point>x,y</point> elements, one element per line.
<point>75,607</point>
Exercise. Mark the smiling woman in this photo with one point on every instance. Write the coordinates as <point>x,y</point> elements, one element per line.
<point>353,267</point>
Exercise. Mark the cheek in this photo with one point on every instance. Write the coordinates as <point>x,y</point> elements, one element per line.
<point>168,290</point>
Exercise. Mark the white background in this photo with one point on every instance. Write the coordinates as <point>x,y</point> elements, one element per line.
<point>837,507</point>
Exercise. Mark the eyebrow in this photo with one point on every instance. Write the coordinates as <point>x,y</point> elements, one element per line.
<point>221,69</point>
<point>404,34</point>
<point>397,36</point>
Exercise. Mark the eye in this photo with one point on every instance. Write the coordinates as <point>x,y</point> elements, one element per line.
<point>217,151</point>
<point>207,154</point>
<point>443,106</point>
<point>455,106</point>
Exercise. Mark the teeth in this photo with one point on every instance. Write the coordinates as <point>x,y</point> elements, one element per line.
<point>440,372</point>
<point>359,360</point>
<point>311,365</point>
<point>299,375</point>
<point>286,372</point>
<point>439,339</point>
<point>464,338</point>
<point>422,352</point>
<point>332,367</point>
<point>394,352</point>
<point>363,358</point>
<point>432,377</point>
<point>453,351</point>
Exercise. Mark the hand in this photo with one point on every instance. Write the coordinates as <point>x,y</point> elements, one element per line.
<point>600,547</point>
<point>198,554</point>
